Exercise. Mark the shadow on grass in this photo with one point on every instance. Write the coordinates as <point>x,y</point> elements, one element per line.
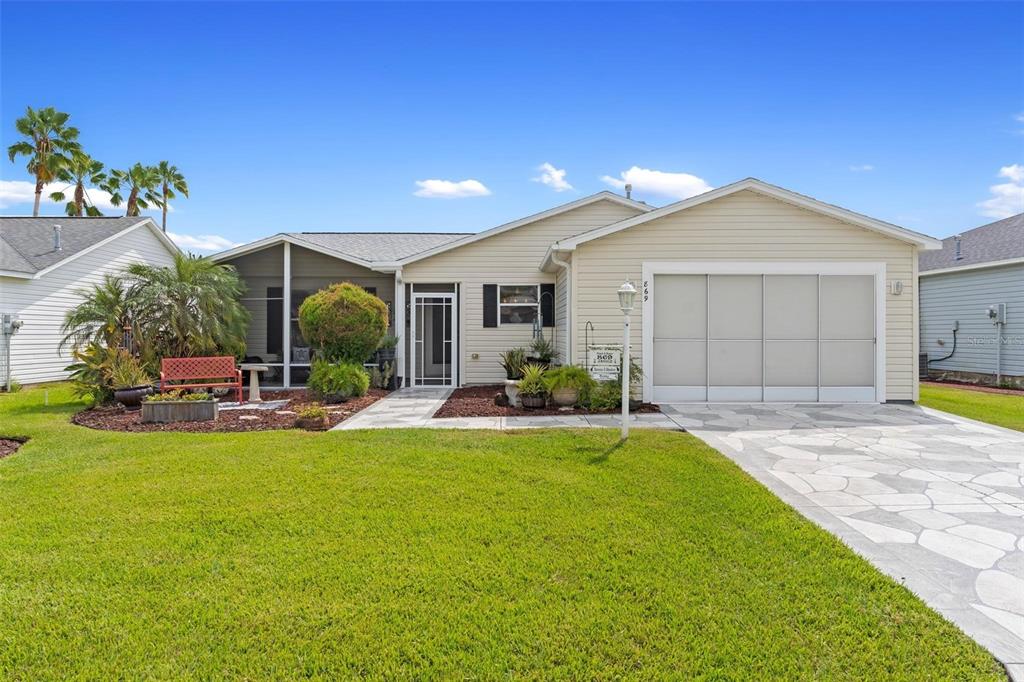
<point>601,454</point>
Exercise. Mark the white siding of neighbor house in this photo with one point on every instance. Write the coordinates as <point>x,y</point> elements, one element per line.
<point>745,226</point>
<point>965,297</point>
<point>42,303</point>
<point>511,257</point>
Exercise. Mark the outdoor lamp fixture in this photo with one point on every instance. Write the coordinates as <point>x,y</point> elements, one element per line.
<point>627,294</point>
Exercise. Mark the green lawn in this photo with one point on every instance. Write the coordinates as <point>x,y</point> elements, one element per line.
<point>995,408</point>
<point>420,554</point>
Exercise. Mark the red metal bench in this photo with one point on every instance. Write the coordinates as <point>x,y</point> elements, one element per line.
<point>192,369</point>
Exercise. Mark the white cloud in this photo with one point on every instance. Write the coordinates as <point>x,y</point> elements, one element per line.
<point>19,192</point>
<point>204,242</point>
<point>1019,117</point>
<point>552,177</point>
<point>448,189</point>
<point>1007,197</point>
<point>646,181</point>
<point>862,168</point>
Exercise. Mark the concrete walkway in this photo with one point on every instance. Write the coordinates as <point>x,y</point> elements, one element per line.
<point>931,499</point>
<point>415,407</point>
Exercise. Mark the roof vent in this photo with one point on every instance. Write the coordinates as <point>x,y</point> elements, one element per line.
<point>957,252</point>
<point>629,190</point>
<point>57,246</point>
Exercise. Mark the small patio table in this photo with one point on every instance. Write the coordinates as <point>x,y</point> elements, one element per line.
<point>254,380</point>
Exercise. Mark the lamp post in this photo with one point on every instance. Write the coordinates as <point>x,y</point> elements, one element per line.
<point>627,293</point>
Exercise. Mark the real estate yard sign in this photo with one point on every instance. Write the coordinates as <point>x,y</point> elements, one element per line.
<point>604,360</point>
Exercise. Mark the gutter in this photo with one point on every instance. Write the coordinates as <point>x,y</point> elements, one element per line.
<point>553,254</point>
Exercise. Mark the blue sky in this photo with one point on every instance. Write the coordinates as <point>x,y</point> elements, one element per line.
<point>324,116</point>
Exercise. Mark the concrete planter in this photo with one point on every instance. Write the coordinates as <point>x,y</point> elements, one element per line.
<point>167,411</point>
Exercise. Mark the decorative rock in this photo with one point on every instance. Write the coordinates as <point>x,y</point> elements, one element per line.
<point>248,417</point>
<point>285,412</point>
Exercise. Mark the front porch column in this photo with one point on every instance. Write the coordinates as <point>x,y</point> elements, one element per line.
<point>400,327</point>
<point>286,338</point>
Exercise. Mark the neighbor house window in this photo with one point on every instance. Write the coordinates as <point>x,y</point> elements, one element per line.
<point>518,304</point>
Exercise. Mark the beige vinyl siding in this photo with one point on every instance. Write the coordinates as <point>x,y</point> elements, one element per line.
<point>42,303</point>
<point>511,257</point>
<point>745,226</point>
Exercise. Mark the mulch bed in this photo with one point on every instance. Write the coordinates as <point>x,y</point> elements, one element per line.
<point>478,401</point>
<point>974,387</point>
<point>118,419</point>
<point>8,446</point>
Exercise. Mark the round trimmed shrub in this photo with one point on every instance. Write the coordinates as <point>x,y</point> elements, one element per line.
<point>344,322</point>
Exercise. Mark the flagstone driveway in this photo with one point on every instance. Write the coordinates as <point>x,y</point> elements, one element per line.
<point>933,500</point>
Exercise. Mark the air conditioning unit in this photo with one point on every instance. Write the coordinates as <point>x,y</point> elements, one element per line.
<point>922,365</point>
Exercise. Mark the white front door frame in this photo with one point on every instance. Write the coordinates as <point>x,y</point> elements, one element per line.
<point>452,297</point>
<point>652,268</point>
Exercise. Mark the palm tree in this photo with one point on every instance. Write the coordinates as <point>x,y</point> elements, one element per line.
<point>49,141</point>
<point>79,170</point>
<point>101,318</point>
<point>171,181</point>
<point>141,182</point>
<point>190,308</point>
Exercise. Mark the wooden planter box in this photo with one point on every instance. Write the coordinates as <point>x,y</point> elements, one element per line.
<point>166,411</point>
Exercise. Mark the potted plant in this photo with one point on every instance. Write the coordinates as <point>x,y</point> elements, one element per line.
<point>386,360</point>
<point>533,390</point>
<point>542,352</point>
<point>129,379</point>
<point>312,418</point>
<point>512,361</point>
<point>567,383</point>
<point>178,406</point>
<point>336,382</point>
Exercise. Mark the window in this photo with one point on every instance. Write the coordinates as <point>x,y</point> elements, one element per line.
<point>518,304</point>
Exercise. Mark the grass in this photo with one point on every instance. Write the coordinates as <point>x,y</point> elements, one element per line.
<point>995,408</point>
<point>416,554</point>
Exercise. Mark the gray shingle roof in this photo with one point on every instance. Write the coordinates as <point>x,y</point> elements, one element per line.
<point>1000,240</point>
<point>26,244</point>
<point>376,247</point>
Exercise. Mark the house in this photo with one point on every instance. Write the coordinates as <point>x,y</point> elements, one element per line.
<point>972,305</point>
<point>749,292</point>
<point>44,263</point>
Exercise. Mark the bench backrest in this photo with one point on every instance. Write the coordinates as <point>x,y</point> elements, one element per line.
<point>198,368</point>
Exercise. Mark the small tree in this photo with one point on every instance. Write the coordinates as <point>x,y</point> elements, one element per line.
<point>344,322</point>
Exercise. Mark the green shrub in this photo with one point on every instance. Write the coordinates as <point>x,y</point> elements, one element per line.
<point>314,411</point>
<point>172,396</point>
<point>512,361</point>
<point>343,322</point>
<point>533,382</point>
<point>126,371</point>
<point>14,386</point>
<point>338,381</point>
<point>568,376</point>
<point>90,373</point>
<point>605,395</point>
<point>543,351</point>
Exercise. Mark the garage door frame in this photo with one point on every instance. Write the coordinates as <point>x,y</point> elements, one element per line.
<point>652,268</point>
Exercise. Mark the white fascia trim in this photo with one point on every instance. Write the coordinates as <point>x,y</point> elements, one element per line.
<point>15,274</point>
<point>652,268</point>
<point>283,238</point>
<point>922,241</point>
<point>975,266</point>
<point>148,222</point>
<point>550,213</point>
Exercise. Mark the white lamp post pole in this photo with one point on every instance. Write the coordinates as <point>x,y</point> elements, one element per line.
<point>627,292</point>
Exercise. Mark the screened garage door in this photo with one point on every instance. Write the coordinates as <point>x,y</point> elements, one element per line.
<point>752,338</point>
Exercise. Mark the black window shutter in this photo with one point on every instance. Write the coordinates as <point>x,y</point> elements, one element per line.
<point>490,305</point>
<point>274,309</point>
<point>547,304</point>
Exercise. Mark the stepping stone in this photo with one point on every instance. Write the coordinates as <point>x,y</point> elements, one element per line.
<point>1011,621</point>
<point>899,499</point>
<point>793,481</point>
<point>876,532</point>
<point>929,518</point>
<point>962,550</point>
<point>999,479</point>
<point>921,475</point>
<point>791,453</point>
<point>824,483</point>
<point>997,538</point>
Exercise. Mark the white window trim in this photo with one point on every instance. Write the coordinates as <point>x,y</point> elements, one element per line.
<point>652,268</point>
<point>517,305</point>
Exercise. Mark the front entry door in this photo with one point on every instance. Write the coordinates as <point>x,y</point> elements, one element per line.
<point>434,321</point>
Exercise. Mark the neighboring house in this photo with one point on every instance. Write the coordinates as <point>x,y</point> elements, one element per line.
<point>748,292</point>
<point>45,262</point>
<point>974,271</point>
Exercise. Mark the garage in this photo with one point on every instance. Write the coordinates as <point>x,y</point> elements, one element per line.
<point>771,332</point>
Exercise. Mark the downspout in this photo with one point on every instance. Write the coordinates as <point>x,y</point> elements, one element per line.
<point>568,301</point>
